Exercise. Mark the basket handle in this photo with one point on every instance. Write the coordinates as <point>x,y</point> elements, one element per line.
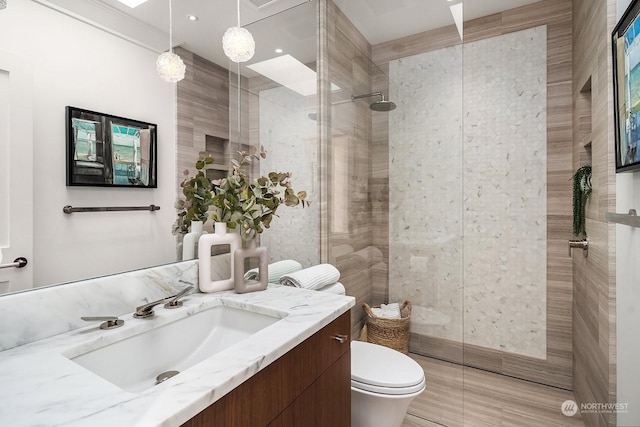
<point>407,305</point>
<point>367,310</point>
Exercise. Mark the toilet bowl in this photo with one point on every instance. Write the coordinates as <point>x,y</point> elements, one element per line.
<point>383,384</point>
<point>383,381</point>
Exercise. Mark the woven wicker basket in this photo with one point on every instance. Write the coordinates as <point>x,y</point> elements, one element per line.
<point>392,333</point>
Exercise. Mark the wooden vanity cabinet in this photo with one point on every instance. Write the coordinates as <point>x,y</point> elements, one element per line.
<point>308,386</point>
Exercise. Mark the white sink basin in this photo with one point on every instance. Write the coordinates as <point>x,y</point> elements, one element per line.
<point>134,362</point>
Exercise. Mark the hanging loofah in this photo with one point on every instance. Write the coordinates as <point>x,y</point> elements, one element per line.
<point>581,193</point>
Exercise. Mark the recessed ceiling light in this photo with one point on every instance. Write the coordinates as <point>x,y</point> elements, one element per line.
<point>192,17</point>
<point>132,3</point>
<point>278,50</point>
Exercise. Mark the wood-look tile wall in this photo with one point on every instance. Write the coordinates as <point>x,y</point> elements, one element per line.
<point>557,16</point>
<point>201,113</point>
<point>594,357</point>
<point>348,148</point>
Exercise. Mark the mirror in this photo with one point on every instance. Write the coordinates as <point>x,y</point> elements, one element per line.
<point>92,61</point>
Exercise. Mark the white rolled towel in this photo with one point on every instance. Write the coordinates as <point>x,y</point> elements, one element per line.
<point>335,288</point>
<point>276,270</point>
<point>387,311</point>
<point>312,278</point>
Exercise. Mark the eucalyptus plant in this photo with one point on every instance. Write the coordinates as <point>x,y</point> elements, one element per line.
<point>198,197</point>
<point>581,192</point>
<point>250,205</point>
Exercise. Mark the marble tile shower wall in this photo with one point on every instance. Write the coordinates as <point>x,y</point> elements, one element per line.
<point>468,201</point>
<point>290,138</point>
<point>505,175</point>
<point>425,190</point>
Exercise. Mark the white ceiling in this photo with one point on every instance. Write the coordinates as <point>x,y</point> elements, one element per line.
<point>289,24</point>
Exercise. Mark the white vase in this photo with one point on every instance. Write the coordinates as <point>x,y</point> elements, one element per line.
<point>206,241</point>
<point>252,251</point>
<point>190,240</point>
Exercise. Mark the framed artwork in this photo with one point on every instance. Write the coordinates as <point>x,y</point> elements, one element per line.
<point>106,150</point>
<point>626,89</point>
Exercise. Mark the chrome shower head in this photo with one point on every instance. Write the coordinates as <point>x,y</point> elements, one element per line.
<point>380,105</point>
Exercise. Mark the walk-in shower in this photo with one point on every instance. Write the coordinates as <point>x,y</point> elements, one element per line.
<point>380,105</point>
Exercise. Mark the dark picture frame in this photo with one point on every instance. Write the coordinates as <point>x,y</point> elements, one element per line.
<point>625,42</point>
<point>104,150</point>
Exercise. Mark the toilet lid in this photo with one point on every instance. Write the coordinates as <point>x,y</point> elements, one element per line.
<point>380,366</point>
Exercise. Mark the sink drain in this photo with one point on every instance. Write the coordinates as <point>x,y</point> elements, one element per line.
<point>165,376</point>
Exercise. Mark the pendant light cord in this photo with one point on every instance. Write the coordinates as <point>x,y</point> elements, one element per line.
<point>238,13</point>
<point>170,28</point>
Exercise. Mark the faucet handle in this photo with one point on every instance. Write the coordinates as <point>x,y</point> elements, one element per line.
<point>110,322</point>
<point>146,311</point>
<point>175,301</point>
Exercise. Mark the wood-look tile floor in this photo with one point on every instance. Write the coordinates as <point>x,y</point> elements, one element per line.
<point>458,396</point>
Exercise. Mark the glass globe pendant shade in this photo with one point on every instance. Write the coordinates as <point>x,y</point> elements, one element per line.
<point>170,67</point>
<point>238,44</point>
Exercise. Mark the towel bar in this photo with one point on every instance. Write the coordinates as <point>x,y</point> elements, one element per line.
<point>631,219</point>
<point>70,209</point>
<point>17,263</point>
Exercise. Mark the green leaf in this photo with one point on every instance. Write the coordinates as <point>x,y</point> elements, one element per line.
<point>291,200</point>
<point>581,193</point>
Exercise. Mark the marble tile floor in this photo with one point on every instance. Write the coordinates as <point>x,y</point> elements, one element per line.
<point>458,396</point>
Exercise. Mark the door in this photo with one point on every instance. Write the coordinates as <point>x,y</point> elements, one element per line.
<point>16,172</point>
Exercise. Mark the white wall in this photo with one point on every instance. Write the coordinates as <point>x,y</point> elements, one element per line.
<point>78,65</point>
<point>628,293</point>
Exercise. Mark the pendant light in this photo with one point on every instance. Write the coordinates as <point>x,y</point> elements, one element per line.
<point>238,43</point>
<point>169,65</point>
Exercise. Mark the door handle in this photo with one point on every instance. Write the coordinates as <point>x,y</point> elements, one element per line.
<point>341,338</point>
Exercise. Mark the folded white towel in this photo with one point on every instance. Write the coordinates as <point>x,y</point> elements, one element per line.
<point>335,288</point>
<point>312,278</point>
<point>387,311</point>
<point>276,270</point>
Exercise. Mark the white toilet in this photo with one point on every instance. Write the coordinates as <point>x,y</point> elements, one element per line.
<point>383,384</point>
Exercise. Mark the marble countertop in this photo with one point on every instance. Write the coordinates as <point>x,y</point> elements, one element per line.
<point>42,387</point>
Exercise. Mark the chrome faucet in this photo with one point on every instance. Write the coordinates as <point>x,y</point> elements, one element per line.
<point>145,311</point>
<point>109,322</point>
